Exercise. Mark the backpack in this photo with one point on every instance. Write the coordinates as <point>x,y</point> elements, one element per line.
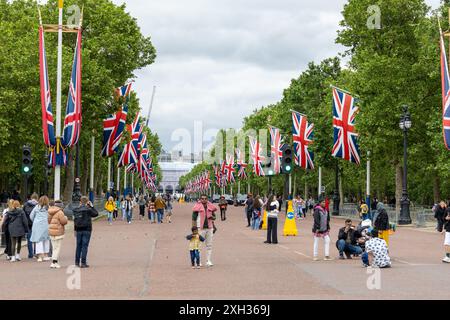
<point>80,219</point>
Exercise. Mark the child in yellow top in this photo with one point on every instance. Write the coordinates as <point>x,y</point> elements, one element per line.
<point>194,246</point>
<point>110,206</point>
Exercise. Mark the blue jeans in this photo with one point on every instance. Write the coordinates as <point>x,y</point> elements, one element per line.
<point>256,223</point>
<point>30,246</point>
<point>83,238</point>
<point>151,216</point>
<point>110,216</point>
<point>160,215</point>
<point>195,257</point>
<point>348,248</point>
<point>129,214</point>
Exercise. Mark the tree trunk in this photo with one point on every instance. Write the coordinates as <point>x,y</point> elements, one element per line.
<point>68,188</point>
<point>436,188</point>
<point>398,186</point>
<point>306,190</point>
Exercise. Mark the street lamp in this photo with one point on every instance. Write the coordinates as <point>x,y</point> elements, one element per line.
<point>405,125</point>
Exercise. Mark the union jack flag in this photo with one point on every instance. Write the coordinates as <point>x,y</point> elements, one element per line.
<point>217,174</point>
<point>257,158</point>
<point>72,121</point>
<point>302,132</point>
<point>229,168</point>
<point>241,165</point>
<point>345,135</point>
<point>124,91</point>
<point>130,154</point>
<point>114,125</point>
<point>46,104</point>
<point>277,153</point>
<point>445,94</point>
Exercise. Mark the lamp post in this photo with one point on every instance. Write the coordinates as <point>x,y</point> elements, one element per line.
<point>405,125</point>
<point>336,198</point>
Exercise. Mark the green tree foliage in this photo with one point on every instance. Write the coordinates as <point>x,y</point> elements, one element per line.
<point>113,49</point>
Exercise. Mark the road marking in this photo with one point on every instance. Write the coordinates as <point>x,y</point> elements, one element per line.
<point>284,247</point>
<point>302,254</point>
<point>415,264</point>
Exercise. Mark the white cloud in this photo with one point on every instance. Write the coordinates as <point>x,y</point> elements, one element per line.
<point>218,61</point>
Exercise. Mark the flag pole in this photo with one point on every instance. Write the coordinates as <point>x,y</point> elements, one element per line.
<point>57,187</point>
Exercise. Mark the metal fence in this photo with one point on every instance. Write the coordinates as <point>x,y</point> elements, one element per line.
<point>420,215</point>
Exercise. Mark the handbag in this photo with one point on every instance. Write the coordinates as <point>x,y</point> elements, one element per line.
<point>214,228</point>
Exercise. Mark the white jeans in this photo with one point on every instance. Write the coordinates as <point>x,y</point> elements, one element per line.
<point>208,235</point>
<point>327,246</point>
<point>43,247</point>
<point>56,244</point>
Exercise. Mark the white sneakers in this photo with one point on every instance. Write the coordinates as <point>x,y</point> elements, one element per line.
<point>446,259</point>
<point>39,259</point>
<point>13,259</point>
<point>209,263</point>
<point>55,266</point>
<point>18,257</point>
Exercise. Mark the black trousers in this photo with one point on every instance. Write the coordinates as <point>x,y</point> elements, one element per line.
<point>440,225</point>
<point>272,230</point>
<point>223,214</point>
<point>16,242</point>
<point>249,217</point>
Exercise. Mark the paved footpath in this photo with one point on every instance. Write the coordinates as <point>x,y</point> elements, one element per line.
<point>149,261</point>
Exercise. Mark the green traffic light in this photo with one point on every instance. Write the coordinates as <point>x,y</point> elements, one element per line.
<point>26,169</point>
<point>270,172</point>
<point>288,168</point>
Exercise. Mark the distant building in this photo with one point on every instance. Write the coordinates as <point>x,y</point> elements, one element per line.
<point>171,173</point>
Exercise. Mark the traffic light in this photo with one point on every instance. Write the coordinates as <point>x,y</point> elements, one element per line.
<point>286,160</point>
<point>27,166</point>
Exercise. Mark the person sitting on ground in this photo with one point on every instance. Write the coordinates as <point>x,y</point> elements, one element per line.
<point>377,253</point>
<point>348,241</point>
<point>194,247</point>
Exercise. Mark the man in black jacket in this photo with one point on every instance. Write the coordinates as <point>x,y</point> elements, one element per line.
<point>83,227</point>
<point>347,241</point>
<point>440,215</point>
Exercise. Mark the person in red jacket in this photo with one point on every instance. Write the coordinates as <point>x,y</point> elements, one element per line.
<point>327,204</point>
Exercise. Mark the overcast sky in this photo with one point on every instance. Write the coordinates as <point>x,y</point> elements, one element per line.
<point>219,60</point>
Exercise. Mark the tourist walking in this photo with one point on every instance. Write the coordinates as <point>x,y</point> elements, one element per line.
<point>204,211</point>
<point>169,207</point>
<point>152,210</point>
<point>321,229</point>
<point>160,205</point>
<point>382,222</point>
<point>27,208</point>
<point>17,226</point>
<point>363,210</point>
<point>447,237</point>
<point>141,203</point>
<point>5,229</point>
<point>39,233</point>
<point>127,206</point>
<point>249,208</point>
<point>56,229</point>
<point>83,227</point>
<point>223,204</point>
<point>440,214</point>
<point>257,212</point>
<point>273,209</point>
<point>110,207</point>
<point>194,247</point>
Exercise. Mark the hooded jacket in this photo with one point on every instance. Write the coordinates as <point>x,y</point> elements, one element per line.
<point>17,223</point>
<point>381,221</point>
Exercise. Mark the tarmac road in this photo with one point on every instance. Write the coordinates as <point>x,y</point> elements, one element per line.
<point>150,261</point>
